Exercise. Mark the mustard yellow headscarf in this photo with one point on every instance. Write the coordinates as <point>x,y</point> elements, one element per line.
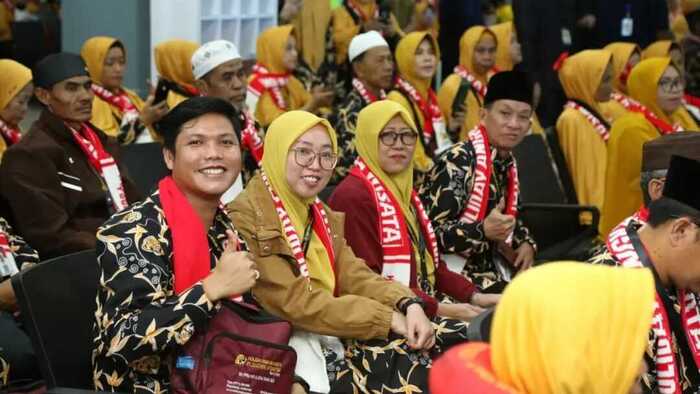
<point>657,49</point>
<point>370,123</point>
<point>406,59</point>
<point>94,51</point>
<point>311,25</point>
<point>14,77</point>
<point>270,48</point>
<point>280,137</point>
<point>572,328</point>
<point>467,44</point>
<point>621,53</point>
<point>504,33</point>
<point>581,74</point>
<point>173,62</point>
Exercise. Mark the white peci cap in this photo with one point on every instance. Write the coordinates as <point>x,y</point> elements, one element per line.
<point>211,55</point>
<point>365,41</point>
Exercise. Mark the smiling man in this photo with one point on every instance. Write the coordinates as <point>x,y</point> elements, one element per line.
<point>63,179</point>
<point>471,193</point>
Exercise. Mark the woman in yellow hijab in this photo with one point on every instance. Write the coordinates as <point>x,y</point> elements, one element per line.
<point>311,278</point>
<point>417,56</point>
<point>657,84</point>
<point>173,63</point>
<point>272,83</point>
<point>15,92</point>
<point>625,55</point>
<point>116,110</point>
<point>582,130</point>
<point>560,328</point>
<point>386,138</point>
<point>477,57</point>
<point>664,48</point>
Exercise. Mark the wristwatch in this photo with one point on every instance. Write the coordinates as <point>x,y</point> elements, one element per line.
<point>405,303</point>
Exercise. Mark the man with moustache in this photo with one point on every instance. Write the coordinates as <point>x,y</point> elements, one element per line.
<point>372,69</point>
<point>471,193</point>
<point>63,179</point>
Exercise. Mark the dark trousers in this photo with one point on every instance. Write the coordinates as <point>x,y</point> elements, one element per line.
<point>16,352</point>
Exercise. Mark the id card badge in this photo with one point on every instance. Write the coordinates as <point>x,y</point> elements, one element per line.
<point>627,27</point>
<point>565,36</point>
<point>441,136</point>
<point>113,179</point>
<point>8,266</point>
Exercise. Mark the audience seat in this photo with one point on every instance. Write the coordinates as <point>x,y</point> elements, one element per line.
<point>145,165</point>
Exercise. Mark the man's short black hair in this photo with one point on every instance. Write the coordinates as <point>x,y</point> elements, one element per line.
<point>666,209</point>
<point>171,125</point>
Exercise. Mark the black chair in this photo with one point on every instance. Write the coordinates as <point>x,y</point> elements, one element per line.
<point>57,303</point>
<point>145,164</point>
<point>545,208</point>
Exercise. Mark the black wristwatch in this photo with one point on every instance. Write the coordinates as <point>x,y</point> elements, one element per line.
<point>403,305</point>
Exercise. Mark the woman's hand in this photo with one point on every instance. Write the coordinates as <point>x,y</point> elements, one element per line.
<point>421,334</point>
<point>151,113</point>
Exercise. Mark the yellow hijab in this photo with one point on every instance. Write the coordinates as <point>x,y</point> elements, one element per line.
<point>94,51</point>
<point>581,74</point>
<point>657,49</point>
<point>270,48</point>
<point>504,34</point>
<point>572,328</point>
<point>173,62</point>
<point>621,53</point>
<point>14,77</point>
<point>406,59</point>
<point>280,137</point>
<point>370,123</point>
<point>467,44</point>
<point>311,25</point>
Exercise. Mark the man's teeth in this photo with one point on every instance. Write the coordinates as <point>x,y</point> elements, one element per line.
<point>213,171</point>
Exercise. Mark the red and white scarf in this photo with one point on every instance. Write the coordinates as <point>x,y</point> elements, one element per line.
<point>393,229</point>
<point>667,366</point>
<point>366,95</point>
<point>11,136</point>
<point>250,138</point>
<point>121,101</point>
<point>8,266</point>
<point>469,77</point>
<point>628,103</point>
<point>599,127</point>
<point>358,11</point>
<point>477,205</point>
<point>634,106</point>
<point>321,228</point>
<point>263,81</point>
<point>430,109</point>
<point>102,162</point>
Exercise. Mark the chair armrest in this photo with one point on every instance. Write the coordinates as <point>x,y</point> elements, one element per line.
<point>563,207</point>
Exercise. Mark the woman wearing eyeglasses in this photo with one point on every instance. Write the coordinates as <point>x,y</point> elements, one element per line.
<point>658,85</point>
<point>386,224</point>
<point>354,330</point>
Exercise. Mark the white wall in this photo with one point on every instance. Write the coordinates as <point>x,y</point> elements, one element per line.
<point>172,19</point>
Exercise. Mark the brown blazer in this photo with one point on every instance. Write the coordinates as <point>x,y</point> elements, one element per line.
<point>56,199</point>
<point>364,307</point>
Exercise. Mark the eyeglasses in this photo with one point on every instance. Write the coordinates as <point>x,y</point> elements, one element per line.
<point>389,138</point>
<point>668,85</point>
<point>306,157</point>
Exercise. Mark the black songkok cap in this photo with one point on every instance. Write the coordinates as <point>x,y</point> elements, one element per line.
<point>58,67</point>
<point>509,85</point>
<point>682,181</point>
<point>656,154</point>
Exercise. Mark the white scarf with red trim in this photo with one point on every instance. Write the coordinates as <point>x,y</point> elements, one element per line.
<point>121,101</point>
<point>263,80</point>
<point>469,77</point>
<point>12,136</point>
<point>667,366</point>
<point>103,163</point>
<point>397,247</point>
<point>599,127</point>
<point>366,95</point>
<point>432,116</point>
<point>476,208</point>
<point>250,138</point>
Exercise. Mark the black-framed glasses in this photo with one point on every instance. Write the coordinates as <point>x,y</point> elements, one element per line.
<point>306,157</point>
<point>669,85</point>
<point>389,138</point>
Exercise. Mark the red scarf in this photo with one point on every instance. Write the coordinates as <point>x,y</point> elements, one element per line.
<point>599,127</point>
<point>321,228</point>
<point>366,94</point>
<point>476,209</point>
<point>250,138</point>
<point>4,245</point>
<point>121,101</point>
<point>469,362</point>
<point>667,366</point>
<point>358,10</point>
<point>469,77</point>
<point>263,80</point>
<point>8,266</point>
<point>634,106</point>
<point>11,135</point>
<point>429,109</point>
<point>103,163</point>
<point>393,229</point>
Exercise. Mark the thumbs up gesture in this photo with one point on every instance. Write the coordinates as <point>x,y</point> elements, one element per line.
<point>497,225</point>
